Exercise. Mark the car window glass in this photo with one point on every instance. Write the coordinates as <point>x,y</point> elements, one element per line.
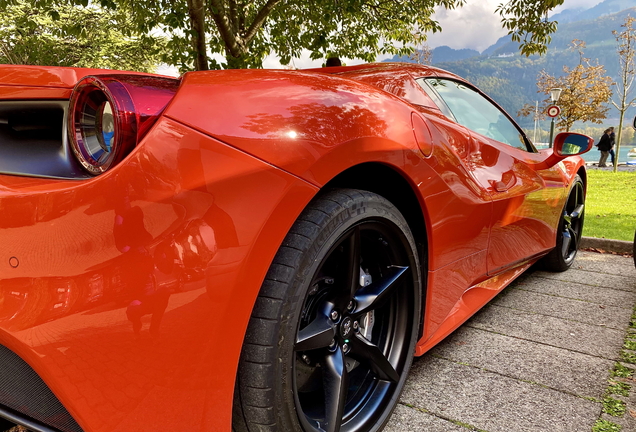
<point>475,112</point>
<point>424,83</point>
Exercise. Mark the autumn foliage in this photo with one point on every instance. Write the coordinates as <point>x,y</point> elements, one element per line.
<point>586,91</point>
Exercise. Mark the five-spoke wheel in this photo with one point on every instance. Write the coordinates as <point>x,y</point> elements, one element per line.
<point>348,319</point>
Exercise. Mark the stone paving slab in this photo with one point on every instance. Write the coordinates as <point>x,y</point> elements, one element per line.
<point>604,264</point>
<point>579,337</point>
<point>493,402</point>
<point>557,368</point>
<point>407,418</point>
<point>594,294</point>
<point>568,308</point>
<point>626,283</point>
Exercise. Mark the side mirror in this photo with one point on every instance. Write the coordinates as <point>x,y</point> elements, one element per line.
<point>566,144</point>
<point>570,144</point>
<point>634,123</point>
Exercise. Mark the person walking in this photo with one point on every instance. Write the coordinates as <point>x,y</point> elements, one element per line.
<point>612,142</point>
<point>604,145</point>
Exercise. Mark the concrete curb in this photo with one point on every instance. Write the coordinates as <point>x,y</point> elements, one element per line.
<point>609,245</point>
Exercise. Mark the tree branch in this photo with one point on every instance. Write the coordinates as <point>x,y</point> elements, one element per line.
<point>234,20</point>
<point>259,20</point>
<point>234,45</point>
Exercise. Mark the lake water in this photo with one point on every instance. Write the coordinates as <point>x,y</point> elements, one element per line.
<point>594,155</point>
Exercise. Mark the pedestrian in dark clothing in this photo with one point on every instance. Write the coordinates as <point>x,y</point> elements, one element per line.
<point>612,141</point>
<point>604,145</point>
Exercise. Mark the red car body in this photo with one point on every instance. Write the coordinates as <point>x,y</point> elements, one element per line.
<point>129,293</point>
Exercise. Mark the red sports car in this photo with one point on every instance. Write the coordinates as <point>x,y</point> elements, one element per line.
<point>255,249</point>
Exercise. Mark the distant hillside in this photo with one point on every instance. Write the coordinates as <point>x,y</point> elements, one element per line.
<point>447,54</point>
<point>607,7</point>
<point>442,54</point>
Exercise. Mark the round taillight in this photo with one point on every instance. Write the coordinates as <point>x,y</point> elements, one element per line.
<point>102,123</point>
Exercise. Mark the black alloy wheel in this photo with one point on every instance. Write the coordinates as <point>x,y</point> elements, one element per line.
<point>569,231</point>
<point>347,315</point>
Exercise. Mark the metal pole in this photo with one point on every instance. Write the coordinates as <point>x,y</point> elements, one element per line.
<point>536,121</point>
<point>551,131</point>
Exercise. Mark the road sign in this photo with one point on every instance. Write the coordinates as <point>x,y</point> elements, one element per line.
<point>553,111</point>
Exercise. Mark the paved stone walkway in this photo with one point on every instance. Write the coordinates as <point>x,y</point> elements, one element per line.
<point>537,358</point>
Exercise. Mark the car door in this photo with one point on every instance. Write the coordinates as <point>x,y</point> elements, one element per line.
<point>497,157</point>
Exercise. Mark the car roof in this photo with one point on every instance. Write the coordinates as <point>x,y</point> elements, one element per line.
<point>415,69</point>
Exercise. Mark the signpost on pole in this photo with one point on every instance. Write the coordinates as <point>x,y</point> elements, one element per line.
<point>553,110</point>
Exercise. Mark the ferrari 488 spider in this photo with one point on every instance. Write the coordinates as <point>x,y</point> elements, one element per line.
<point>255,249</point>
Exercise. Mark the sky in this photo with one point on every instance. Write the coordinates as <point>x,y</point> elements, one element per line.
<point>477,26</point>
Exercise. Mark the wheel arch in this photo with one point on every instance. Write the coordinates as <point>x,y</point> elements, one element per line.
<point>392,185</point>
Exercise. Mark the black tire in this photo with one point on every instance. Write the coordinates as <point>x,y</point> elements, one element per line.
<point>569,231</point>
<point>321,351</point>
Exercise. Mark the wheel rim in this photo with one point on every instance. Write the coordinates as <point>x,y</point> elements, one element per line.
<point>353,340</point>
<point>572,223</point>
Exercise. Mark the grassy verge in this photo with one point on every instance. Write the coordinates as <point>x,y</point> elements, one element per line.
<point>610,209</point>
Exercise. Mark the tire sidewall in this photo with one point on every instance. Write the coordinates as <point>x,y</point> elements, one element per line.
<point>554,260</point>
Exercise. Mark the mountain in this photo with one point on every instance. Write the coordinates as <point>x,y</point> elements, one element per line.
<point>607,7</point>
<point>448,54</point>
<point>511,78</point>
<point>568,16</point>
<point>441,54</point>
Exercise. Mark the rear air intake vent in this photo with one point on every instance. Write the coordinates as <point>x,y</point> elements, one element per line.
<point>24,393</point>
<point>33,140</point>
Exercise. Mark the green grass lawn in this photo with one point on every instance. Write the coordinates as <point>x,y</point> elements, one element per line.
<point>610,208</point>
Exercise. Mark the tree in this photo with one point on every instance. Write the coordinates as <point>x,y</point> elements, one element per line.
<point>422,53</point>
<point>626,48</point>
<point>246,31</point>
<point>75,36</point>
<point>585,92</point>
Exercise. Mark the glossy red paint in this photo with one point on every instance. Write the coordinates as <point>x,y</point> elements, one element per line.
<point>134,305</point>
<point>302,132</point>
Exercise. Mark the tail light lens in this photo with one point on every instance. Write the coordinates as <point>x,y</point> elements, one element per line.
<point>109,114</point>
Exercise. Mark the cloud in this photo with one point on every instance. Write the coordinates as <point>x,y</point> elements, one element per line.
<point>475,26</point>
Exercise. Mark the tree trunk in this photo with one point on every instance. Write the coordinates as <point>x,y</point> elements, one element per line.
<point>618,140</point>
<point>197,23</point>
<point>235,62</point>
